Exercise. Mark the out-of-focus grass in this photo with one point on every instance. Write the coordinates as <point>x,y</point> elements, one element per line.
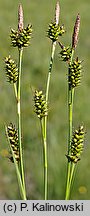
<point>34,74</point>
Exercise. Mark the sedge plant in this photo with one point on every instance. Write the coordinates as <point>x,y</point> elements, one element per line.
<point>41,106</point>
<point>20,39</point>
<point>75,139</point>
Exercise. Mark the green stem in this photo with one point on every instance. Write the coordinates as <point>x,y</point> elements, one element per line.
<point>44,124</point>
<point>70,109</point>
<point>22,191</point>
<point>43,130</point>
<point>50,69</point>
<point>70,120</point>
<point>19,118</point>
<point>15,90</point>
<point>70,181</point>
<point>72,173</point>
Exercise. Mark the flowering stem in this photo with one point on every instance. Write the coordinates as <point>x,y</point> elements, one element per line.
<point>19,118</point>
<point>22,191</point>
<point>70,110</point>
<point>71,173</point>
<point>44,123</point>
<point>50,69</point>
<point>70,116</point>
<point>43,130</point>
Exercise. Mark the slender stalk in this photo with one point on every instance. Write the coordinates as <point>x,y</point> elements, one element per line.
<point>70,110</point>
<point>15,90</point>
<point>44,124</point>
<point>50,69</point>
<point>43,130</point>
<point>22,191</point>
<point>19,118</point>
<point>70,120</point>
<point>70,181</point>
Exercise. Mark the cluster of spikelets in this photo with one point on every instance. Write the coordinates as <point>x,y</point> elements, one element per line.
<point>75,68</point>
<point>13,140</point>
<point>11,69</point>
<point>65,53</point>
<point>74,73</point>
<point>21,38</point>
<point>40,105</point>
<point>77,144</point>
<point>54,31</point>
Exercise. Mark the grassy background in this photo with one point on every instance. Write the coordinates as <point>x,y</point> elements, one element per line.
<point>34,74</point>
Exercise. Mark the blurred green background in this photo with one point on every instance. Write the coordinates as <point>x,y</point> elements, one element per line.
<point>34,74</point>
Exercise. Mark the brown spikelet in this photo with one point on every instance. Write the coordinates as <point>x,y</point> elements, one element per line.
<point>20,18</point>
<point>76,32</point>
<point>57,12</point>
